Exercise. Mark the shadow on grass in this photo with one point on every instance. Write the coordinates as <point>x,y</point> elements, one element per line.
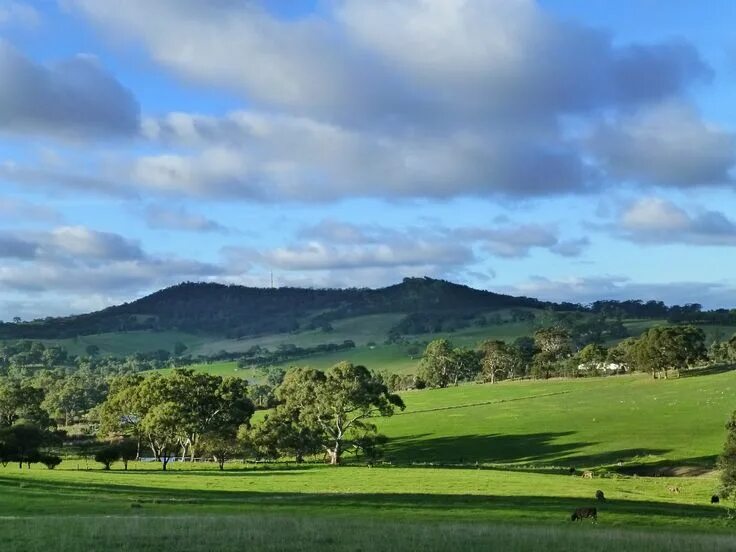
<point>535,448</point>
<point>708,370</point>
<point>528,506</point>
<point>689,467</point>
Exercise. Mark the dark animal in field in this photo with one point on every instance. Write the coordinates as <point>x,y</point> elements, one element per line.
<point>600,496</point>
<point>571,471</point>
<point>715,499</point>
<point>582,513</point>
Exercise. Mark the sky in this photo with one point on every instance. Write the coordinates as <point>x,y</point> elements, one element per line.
<point>558,149</point>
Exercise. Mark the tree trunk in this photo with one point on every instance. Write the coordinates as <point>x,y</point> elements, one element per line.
<point>334,455</point>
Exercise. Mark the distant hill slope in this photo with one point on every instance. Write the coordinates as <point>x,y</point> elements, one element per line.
<point>239,311</point>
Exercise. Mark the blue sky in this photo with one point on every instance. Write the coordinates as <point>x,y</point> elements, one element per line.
<point>560,149</point>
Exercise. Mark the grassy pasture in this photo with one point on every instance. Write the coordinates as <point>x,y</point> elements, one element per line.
<point>128,343</point>
<point>584,422</point>
<point>522,434</point>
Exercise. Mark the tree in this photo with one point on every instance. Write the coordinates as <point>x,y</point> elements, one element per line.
<point>552,345</point>
<point>622,353</point>
<point>67,399</point>
<point>128,449</point>
<point>498,359</point>
<point>175,410</point>
<point>162,427</point>
<point>281,434</point>
<point>20,401</point>
<point>220,446</point>
<point>467,364</point>
<point>439,365</point>
<point>21,443</point>
<point>727,460</point>
<point>592,355</point>
<point>526,349</point>
<point>337,404</point>
<point>107,455</point>
<point>665,348</point>
<point>50,460</point>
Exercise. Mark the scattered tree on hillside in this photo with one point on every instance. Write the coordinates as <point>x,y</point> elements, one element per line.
<point>21,401</point>
<point>727,460</point>
<point>552,345</point>
<point>175,410</point>
<point>665,348</point>
<point>337,404</point>
<point>439,366</point>
<point>499,360</point>
<point>22,442</point>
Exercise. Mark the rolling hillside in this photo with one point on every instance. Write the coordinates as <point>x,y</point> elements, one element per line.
<point>240,312</point>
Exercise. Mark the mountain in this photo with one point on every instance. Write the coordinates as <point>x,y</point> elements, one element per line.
<point>238,311</point>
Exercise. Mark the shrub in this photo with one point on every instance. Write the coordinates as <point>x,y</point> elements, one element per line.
<point>50,460</point>
<point>107,455</point>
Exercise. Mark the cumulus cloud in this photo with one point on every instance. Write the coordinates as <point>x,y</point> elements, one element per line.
<point>12,247</point>
<point>160,217</point>
<point>65,180</point>
<point>69,242</point>
<point>666,144</point>
<point>319,256</point>
<point>656,220</point>
<point>493,54</point>
<point>75,98</point>
<point>332,245</point>
<point>77,263</point>
<point>272,157</point>
<point>386,98</point>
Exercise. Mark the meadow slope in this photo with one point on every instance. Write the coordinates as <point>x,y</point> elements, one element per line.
<point>524,436</point>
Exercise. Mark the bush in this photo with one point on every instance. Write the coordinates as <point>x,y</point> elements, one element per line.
<point>50,460</point>
<point>107,455</point>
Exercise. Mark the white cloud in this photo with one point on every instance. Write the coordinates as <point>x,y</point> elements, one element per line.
<point>180,219</point>
<point>656,220</point>
<point>74,98</point>
<point>399,98</point>
<point>666,144</point>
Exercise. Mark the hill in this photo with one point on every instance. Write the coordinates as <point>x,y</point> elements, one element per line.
<point>238,312</point>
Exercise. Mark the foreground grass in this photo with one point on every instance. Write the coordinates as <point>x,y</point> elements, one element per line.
<point>389,493</point>
<point>299,533</point>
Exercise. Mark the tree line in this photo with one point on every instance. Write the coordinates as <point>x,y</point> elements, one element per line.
<point>191,415</point>
<point>659,351</point>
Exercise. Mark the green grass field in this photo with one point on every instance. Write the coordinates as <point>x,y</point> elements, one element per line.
<point>639,437</point>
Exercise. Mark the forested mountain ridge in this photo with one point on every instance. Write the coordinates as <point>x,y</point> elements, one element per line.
<point>239,311</point>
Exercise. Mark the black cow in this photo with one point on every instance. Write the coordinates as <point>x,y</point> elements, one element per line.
<point>599,496</point>
<point>714,499</point>
<point>582,513</point>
